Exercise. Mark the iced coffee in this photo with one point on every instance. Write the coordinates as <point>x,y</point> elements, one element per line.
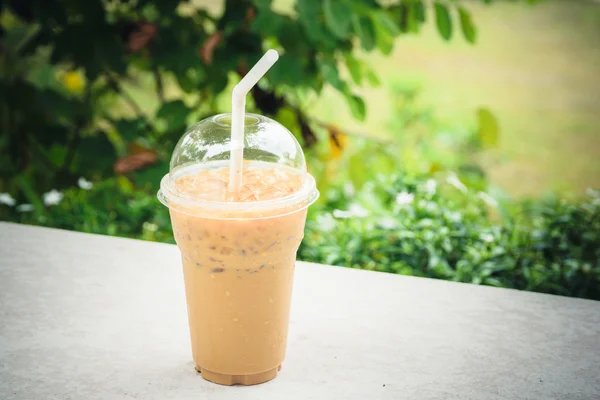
<point>238,248</point>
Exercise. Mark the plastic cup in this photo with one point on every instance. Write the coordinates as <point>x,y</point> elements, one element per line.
<point>238,249</point>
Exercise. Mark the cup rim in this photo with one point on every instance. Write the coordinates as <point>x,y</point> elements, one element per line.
<point>173,200</point>
<point>250,119</point>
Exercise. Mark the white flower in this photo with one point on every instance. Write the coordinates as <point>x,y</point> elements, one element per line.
<point>354,211</point>
<point>404,198</point>
<point>349,189</point>
<point>487,237</point>
<point>430,186</point>
<point>592,193</point>
<point>453,180</point>
<point>150,226</point>
<point>431,207</point>
<point>595,195</point>
<point>358,211</point>
<point>489,200</point>
<point>454,216</point>
<point>341,214</point>
<point>52,198</point>
<point>7,199</point>
<point>326,222</point>
<point>24,207</point>
<point>84,184</point>
<point>388,223</point>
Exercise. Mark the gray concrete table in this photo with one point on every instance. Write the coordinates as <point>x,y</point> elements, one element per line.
<point>93,317</point>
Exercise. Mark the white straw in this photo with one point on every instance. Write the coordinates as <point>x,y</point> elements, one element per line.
<point>238,105</point>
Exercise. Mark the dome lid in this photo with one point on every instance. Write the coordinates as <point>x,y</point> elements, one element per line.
<point>265,140</point>
<point>207,146</point>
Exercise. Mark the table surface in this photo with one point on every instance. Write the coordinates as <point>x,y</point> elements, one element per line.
<point>93,317</point>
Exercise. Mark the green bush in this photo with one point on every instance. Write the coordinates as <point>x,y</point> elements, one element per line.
<point>112,112</point>
<point>405,224</point>
<point>416,226</point>
<point>112,207</point>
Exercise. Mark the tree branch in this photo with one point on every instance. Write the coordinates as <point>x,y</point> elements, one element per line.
<point>114,85</point>
<point>268,102</point>
<point>160,90</point>
<point>360,135</point>
<point>72,147</point>
<point>327,126</point>
<point>201,99</point>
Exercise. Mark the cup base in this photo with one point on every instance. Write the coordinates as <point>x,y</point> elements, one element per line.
<point>246,380</point>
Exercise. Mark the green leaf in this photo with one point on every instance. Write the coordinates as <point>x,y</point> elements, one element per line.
<point>174,49</point>
<point>268,23</point>
<point>218,80</point>
<point>192,80</point>
<point>149,178</point>
<point>310,13</point>
<point>131,129</point>
<point>53,134</point>
<point>330,73</point>
<point>95,155</point>
<point>291,36</point>
<point>355,69</point>
<point>489,130</point>
<point>107,53</point>
<point>419,9</point>
<point>42,76</point>
<point>384,38</point>
<point>60,108</point>
<point>338,16</point>
<point>175,113</point>
<point>262,4</point>
<point>150,12</point>
<point>288,118</point>
<point>466,24</point>
<point>383,19</point>
<point>411,25</point>
<point>27,187</point>
<point>165,6</point>
<point>17,36</point>
<point>287,70</point>
<point>356,169</point>
<point>372,77</point>
<point>357,106</point>
<point>385,163</point>
<point>56,154</point>
<point>409,15</point>
<point>365,30</point>
<point>443,20</point>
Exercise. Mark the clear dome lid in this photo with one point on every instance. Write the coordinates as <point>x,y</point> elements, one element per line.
<point>272,159</point>
<point>265,140</point>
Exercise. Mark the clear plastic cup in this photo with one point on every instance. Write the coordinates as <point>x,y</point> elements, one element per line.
<point>238,249</point>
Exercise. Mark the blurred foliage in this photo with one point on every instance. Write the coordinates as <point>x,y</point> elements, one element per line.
<point>415,225</point>
<point>71,73</point>
<point>112,207</point>
<point>418,143</point>
<point>104,89</point>
<point>406,218</point>
<point>401,223</point>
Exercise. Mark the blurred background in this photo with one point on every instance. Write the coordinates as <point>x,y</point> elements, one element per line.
<point>457,140</point>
